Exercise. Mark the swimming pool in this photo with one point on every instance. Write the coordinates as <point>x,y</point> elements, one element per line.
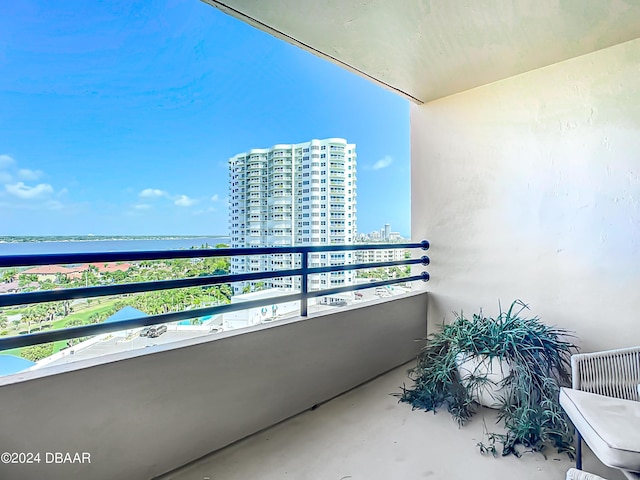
<point>202,320</point>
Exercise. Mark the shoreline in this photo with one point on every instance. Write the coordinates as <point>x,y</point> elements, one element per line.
<point>96,238</point>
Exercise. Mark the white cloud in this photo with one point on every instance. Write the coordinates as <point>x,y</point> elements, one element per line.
<point>23,191</point>
<point>215,198</point>
<point>26,174</point>
<point>184,201</point>
<point>155,193</point>
<point>6,160</point>
<point>382,163</point>
<point>203,211</point>
<point>152,193</point>
<point>54,205</point>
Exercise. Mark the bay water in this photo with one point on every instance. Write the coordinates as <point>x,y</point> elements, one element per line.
<point>115,245</point>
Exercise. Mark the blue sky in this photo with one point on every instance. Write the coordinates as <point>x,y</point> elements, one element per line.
<point>118,118</point>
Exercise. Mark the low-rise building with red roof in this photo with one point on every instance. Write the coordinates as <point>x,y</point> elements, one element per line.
<point>46,272</point>
<point>50,272</point>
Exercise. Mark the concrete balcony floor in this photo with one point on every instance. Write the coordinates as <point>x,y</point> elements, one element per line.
<point>366,434</point>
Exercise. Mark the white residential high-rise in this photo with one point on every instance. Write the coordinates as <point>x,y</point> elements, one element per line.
<point>294,194</point>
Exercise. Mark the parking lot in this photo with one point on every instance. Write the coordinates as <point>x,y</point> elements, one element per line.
<point>119,344</point>
<point>116,344</point>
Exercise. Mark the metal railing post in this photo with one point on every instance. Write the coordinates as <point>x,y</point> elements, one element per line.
<point>304,284</point>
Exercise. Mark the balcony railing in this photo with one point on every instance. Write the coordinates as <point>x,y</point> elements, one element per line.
<point>16,299</point>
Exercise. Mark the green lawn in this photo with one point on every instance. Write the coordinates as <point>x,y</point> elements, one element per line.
<point>58,324</point>
<point>84,314</point>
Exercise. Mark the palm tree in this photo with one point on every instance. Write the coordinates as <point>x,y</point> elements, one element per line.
<point>29,316</point>
<point>9,275</point>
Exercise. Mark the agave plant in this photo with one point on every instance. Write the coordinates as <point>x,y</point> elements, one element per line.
<point>539,360</point>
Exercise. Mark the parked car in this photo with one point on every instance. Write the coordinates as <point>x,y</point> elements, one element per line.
<point>156,331</point>
<point>145,332</point>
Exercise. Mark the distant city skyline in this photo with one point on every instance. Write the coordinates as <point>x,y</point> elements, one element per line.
<point>383,234</point>
<point>120,119</point>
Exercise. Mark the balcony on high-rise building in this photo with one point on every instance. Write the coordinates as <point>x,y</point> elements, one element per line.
<point>524,177</point>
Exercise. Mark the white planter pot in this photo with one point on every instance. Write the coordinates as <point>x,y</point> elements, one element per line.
<point>489,392</point>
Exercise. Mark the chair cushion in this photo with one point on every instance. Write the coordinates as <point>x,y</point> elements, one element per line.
<point>610,426</point>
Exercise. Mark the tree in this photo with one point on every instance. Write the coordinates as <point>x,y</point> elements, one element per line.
<point>66,307</point>
<point>47,285</point>
<point>9,275</point>
<point>37,352</point>
<point>62,279</point>
<point>74,323</point>
<point>225,291</point>
<point>29,316</point>
<point>24,280</point>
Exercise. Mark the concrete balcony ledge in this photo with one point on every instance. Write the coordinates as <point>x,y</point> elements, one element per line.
<point>140,415</point>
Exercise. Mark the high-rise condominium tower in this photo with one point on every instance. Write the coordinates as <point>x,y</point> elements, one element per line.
<point>294,194</point>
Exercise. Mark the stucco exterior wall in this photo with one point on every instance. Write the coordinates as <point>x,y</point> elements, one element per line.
<point>529,188</point>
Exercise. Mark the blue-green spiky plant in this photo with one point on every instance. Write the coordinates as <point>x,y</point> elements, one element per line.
<point>539,359</point>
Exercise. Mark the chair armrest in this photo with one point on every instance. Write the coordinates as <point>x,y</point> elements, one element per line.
<point>614,373</point>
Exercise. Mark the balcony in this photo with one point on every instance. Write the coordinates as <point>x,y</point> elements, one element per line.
<point>366,434</point>
<point>282,243</point>
<point>281,198</point>
<point>524,173</point>
<point>158,399</point>
<point>280,225</point>
<point>282,162</point>
<point>279,178</point>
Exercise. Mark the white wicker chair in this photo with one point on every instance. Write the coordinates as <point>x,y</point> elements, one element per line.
<point>575,474</point>
<point>613,373</point>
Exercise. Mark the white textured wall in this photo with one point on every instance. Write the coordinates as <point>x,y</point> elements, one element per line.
<point>530,188</point>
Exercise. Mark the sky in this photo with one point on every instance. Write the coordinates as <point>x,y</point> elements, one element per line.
<point>119,117</point>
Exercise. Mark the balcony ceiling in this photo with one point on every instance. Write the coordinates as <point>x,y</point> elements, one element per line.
<point>427,49</point>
